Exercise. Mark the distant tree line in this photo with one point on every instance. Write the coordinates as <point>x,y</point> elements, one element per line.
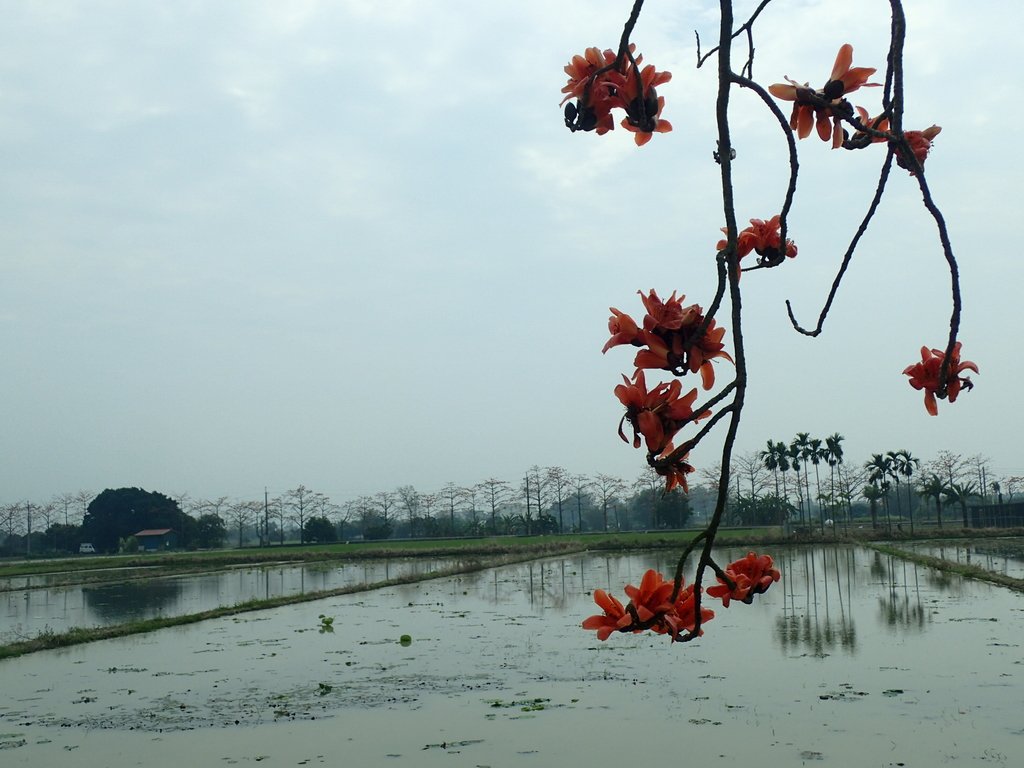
<point>805,482</point>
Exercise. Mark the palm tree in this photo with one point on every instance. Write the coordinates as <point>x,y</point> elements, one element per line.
<point>879,470</point>
<point>799,453</point>
<point>816,454</point>
<point>872,494</point>
<point>933,488</point>
<point>895,462</point>
<point>961,493</point>
<point>834,457</point>
<point>905,464</point>
<point>771,460</point>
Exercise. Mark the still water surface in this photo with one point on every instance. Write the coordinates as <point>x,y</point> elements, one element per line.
<point>29,610</point>
<point>854,659</point>
<point>1005,556</point>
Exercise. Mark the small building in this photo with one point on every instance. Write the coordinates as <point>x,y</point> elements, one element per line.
<point>157,539</point>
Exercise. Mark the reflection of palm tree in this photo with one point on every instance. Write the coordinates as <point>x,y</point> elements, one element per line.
<point>961,493</point>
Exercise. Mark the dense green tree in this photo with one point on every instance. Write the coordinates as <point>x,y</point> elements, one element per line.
<point>763,510</point>
<point>319,529</point>
<point>208,532</point>
<point>64,538</point>
<point>665,510</point>
<point>122,512</point>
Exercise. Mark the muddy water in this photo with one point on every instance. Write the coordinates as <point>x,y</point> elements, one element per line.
<point>854,659</point>
<point>34,606</point>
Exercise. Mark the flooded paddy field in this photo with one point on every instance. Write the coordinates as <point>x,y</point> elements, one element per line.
<point>855,658</point>
<point>33,606</point>
<point>1004,556</point>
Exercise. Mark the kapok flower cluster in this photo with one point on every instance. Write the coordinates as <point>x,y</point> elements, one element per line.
<point>657,605</point>
<point>826,108</point>
<point>678,339</point>
<point>927,375</point>
<point>763,238</point>
<point>601,81</point>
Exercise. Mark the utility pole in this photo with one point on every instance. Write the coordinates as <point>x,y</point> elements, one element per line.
<point>266,517</point>
<point>28,538</point>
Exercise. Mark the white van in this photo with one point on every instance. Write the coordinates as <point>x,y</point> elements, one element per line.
<point>86,549</point>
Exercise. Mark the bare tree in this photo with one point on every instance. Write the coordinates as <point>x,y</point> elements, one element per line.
<point>469,502</point>
<point>608,490</point>
<point>83,498</point>
<point>450,495</point>
<point>980,468</point>
<point>429,501</point>
<point>649,483</point>
<point>298,501</point>
<point>64,503</point>
<point>749,469</point>
<point>217,507</point>
<point>384,502</point>
<point>242,513</point>
<point>496,494</point>
<point>559,483</point>
<point>580,487</point>
<point>950,466</point>
<point>410,500</point>
<point>47,512</point>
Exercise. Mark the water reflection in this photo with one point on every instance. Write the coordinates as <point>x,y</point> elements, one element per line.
<point>131,600</point>
<point>829,597</point>
<point>817,615</point>
<point>1003,556</point>
<point>25,613</point>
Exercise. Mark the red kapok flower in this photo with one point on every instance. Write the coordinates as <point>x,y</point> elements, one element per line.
<point>683,616</point>
<point>920,144</point>
<point>593,109</point>
<point>668,315</point>
<point>656,414</point>
<point>879,123</point>
<point>607,622</point>
<point>643,104</point>
<point>843,80</point>
<point>652,597</point>
<point>670,334</point>
<point>672,464</point>
<point>624,330</point>
<point>751,575</point>
<point>765,238</point>
<point>925,375</point>
<point>651,607</point>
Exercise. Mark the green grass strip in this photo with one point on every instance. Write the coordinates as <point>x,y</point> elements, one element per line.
<point>966,570</point>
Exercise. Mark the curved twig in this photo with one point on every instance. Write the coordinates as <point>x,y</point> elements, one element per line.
<point>848,256</point>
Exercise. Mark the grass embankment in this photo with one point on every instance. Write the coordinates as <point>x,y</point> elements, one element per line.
<point>966,570</point>
<point>119,568</point>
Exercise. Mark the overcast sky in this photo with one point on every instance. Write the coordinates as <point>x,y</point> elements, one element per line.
<point>349,244</point>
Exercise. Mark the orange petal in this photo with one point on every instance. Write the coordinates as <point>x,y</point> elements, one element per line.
<point>843,61</point>
<point>783,91</point>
